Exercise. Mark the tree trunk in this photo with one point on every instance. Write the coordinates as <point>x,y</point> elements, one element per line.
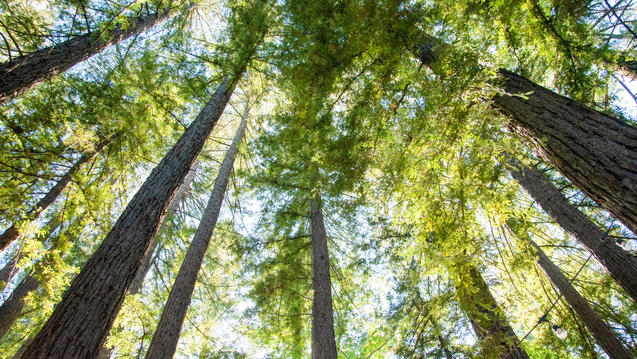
<point>81,321</point>
<point>138,281</point>
<point>623,67</point>
<point>25,72</point>
<point>12,233</point>
<point>323,340</point>
<point>596,152</point>
<point>602,333</point>
<point>486,317</point>
<point>164,342</point>
<point>619,264</point>
<point>11,308</point>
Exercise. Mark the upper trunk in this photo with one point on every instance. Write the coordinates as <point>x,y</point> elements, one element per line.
<point>12,233</point>
<point>602,333</point>
<point>164,342</point>
<point>25,72</point>
<point>486,317</point>
<point>80,322</point>
<point>619,264</point>
<point>597,152</point>
<point>323,341</point>
<point>11,308</point>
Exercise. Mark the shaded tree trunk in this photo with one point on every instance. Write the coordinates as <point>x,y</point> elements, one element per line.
<point>486,317</point>
<point>25,72</point>
<point>164,342</point>
<point>596,152</point>
<point>11,308</point>
<point>138,281</point>
<point>81,321</point>
<point>619,264</point>
<point>604,336</point>
<point>12,233</point>
<point>323,340</point>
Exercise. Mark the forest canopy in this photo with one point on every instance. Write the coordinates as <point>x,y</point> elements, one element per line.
<point>337,178</point>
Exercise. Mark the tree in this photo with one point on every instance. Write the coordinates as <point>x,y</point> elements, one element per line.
<point>619,264</point>
<point>23,73</point>
<point>123,248</point>
<point>600,330</point>
<point>166,335</point>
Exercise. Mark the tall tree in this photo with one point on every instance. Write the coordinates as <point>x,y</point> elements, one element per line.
<point>164,342</point>
<point>593,150</point>
<point>323,341</point>
<point>618,263</point>
<point>486,317</point>
<point>13,232</point>
<point>81,321</point>
<point>23,73</point>
<point>602,333</point>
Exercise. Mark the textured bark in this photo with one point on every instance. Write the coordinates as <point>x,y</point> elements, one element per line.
<point>596,152</point>
<point>323,340</point>
<point>164,342</point>
<point>25,72</point>
<point>486,317</point>
<point>619,264</point>
<point>602,333</point>
<point>80,322</point>
<point>137,283</point>
<point>12,233</point>
<point>11,308</point>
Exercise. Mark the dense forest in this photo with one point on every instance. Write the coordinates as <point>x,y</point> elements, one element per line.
<point>226,179</point>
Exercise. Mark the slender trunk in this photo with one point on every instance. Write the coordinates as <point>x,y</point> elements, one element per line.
<point>623,67</point>
<point>25,72</point>
<point>604,336</point>
<point>486,317</point>
<point>12,233</point>
<point>81,321</point>
<point>619,264</point>
<point>164,342</point>
<point>444,347</point>
<point>11,308</point>
<point>9,268</point>
<point>23,347</point>
<point>596,152</point>
<point>138,281</point>
<point>323,340</point>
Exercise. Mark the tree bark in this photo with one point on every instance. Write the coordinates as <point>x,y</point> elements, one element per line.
<point>604,336</point>
<point>596,152</point>
<point>486,317</point>
<point>138,281</point>
<point>164,342</point>
<point>12,233</point>
<point>619,264</point>
<point>11,308</point>
<point>323,340</point>
<point>25,72</point>
<point>81,321</point>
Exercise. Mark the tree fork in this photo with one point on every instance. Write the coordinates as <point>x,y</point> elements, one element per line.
<point>25,72</point>
<point>81,321</point>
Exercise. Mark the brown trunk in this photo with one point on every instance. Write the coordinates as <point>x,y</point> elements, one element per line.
<point>602,333</point>
<point>138,281</point>
<point>23,347</point>
<point>12,233</point>
<point>596,152</point>
<point>323,340</point>
<point>25,72</point>
<point>164,342</point>
<point>80,322</point>
<point>486,317</point>
<point>11,308</point>
<point>619,264</point>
